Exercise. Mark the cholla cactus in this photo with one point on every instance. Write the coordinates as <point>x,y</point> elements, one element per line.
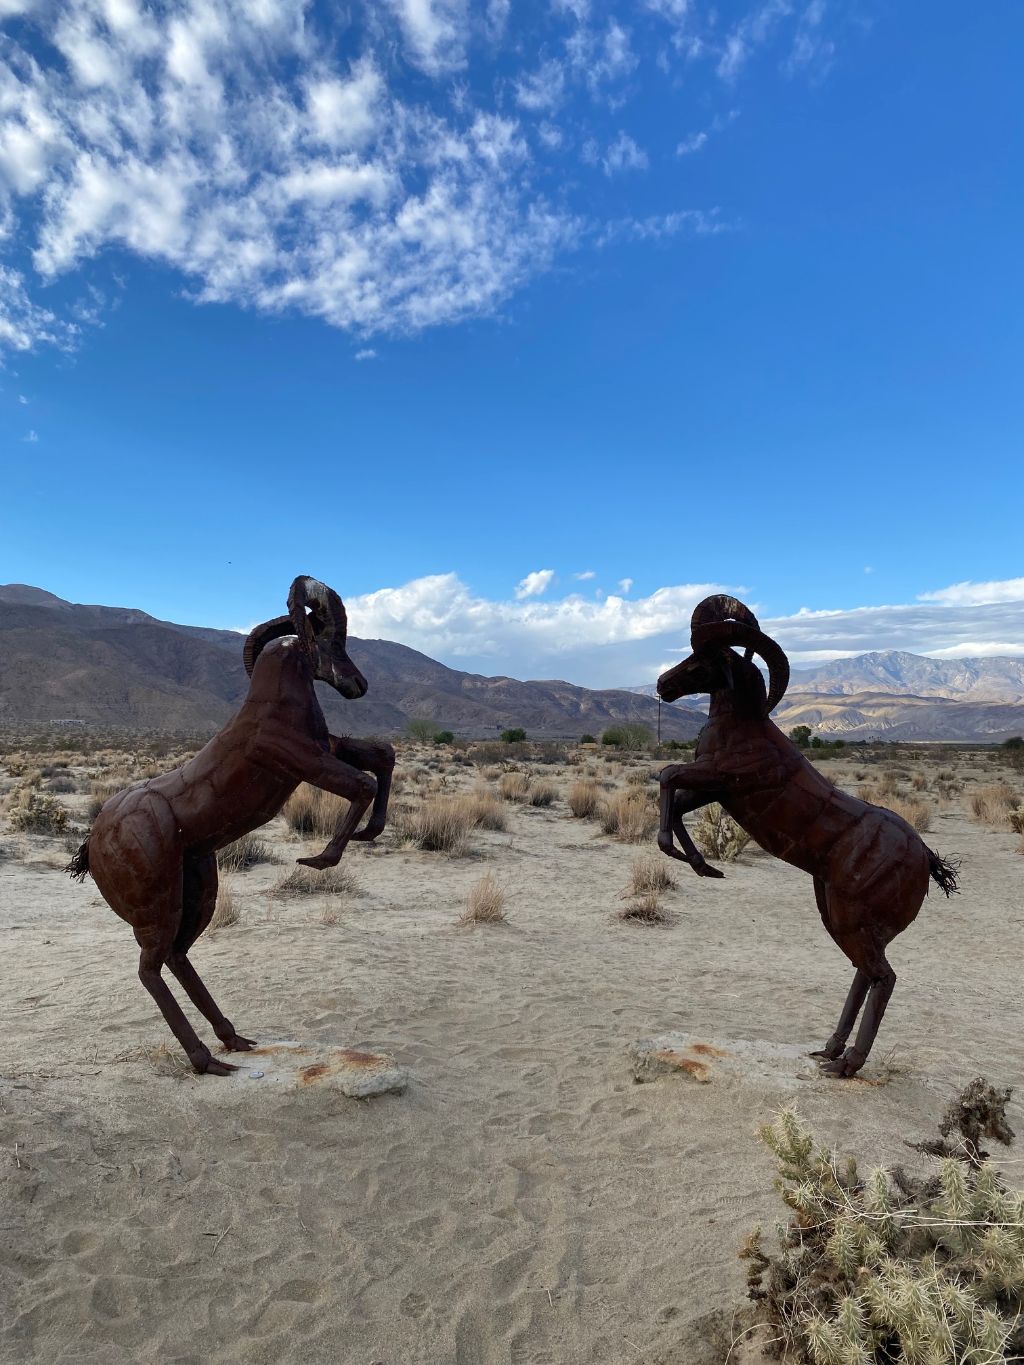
<point>718,834</point>
<point>885,1269</point>
<point>36,813</point>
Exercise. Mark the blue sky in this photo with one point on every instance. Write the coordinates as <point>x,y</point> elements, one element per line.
<point>522,325</point>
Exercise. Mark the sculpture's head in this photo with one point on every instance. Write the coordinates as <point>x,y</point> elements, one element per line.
<point>719,625</point>
<point>316,614</point>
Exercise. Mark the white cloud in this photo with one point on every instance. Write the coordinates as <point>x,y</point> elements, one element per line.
<point>367,353</point>
<point>690,144</point>
<point>32,437</point>
<point>543,89</point>
<point>22,399</point>
<point>584,575</point>
<point>435,33</point>
<point>977,594</point>
<point>534,583</point>
<point>660,226</point>
<point>608,641</point>
<point>625,585</point>
<point>624,155</point>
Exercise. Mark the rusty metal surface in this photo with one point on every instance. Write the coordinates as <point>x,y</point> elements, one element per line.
<point>152,848</point>
<point>870,867</point>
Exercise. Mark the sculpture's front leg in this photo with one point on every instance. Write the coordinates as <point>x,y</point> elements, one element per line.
<point>678,797</point>
<point>371,757</point>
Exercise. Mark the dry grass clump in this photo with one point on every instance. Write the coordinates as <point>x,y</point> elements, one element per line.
<point>226,912</point>
<point>718,835</point>
<point>542,792</point>
<point>888,783</point>
<point>649,874</point>
<point>915,811</point>
<point>310,811</point>
<point>515,787</point>
<point>645,909</point>
<point>993,804</point>
<point>33,812</point>
<point>629,816</point>
<point>919,782</point>
<point>438,824</point>
<point>164,1061</point>
<point>485,903</point>
<point>315,881</point>
<point>584,798</point>
<point>246,852</point>
<point>486,809</point>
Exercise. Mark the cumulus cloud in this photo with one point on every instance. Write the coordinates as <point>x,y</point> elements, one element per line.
<point>534,583</point>
<point>608,641</point>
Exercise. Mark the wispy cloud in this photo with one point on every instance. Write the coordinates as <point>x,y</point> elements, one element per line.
<point>624,155</point>
<point>584,575</point>
<point>367,353</point>
<point>31,437</point>
<point>534,584</point>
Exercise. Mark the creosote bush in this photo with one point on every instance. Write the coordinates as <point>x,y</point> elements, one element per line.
<point>886,1269</point>
<point>485,903</point>
<point>718,835</point>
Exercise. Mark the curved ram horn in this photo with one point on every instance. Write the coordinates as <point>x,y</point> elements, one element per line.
<point>327,611</point>
<point>261,636</point>
<point>721,607</point>
<point>723,634</point>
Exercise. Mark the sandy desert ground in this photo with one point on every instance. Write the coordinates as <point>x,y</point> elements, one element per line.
<point>524,1201</point>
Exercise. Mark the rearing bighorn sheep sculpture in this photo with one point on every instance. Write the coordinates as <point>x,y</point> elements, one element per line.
<point>153,848</point>
<point>870,868</point>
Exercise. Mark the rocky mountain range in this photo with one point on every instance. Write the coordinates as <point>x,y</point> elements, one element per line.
<point>118,667</point>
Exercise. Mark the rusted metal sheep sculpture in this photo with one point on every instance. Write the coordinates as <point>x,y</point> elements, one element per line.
<point>870,867</point>
<point>153,848</point>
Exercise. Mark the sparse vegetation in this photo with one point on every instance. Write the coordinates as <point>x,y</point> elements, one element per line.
<point>314,813</point>
<point>718,835</point>
<point>629,735</point>
<point>421,728</point>
<point>888,1268</point>
<point>629,815</point>
<point>34,812</point>
<point>583,798</point>
<point>801,736</point>
<point>438,824</point>
<point>541,793</point>
<point>226,912</point>
<point>485,903</point>
<point>515,787</point>
<point>315,881</point>
<point>248,851</point>
<point>649,874</point>
<point>514,736</point>
<point>992,804</point>
<point>645,909</point>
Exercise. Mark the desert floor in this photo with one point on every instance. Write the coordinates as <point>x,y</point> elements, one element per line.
<point>524,1201</point>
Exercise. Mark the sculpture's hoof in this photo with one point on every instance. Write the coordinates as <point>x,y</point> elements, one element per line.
<point>209,1065</point>
<point>847,1065</point>
<point>236,1043</point>
<point>828,1053</point>
<point>319,862</point>
<point>706,870</point>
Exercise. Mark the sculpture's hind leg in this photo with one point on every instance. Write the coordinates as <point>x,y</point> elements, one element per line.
<point>198,902</point>
<point>157,946</point>
<point>854,1000</point>
<point>866,951</point>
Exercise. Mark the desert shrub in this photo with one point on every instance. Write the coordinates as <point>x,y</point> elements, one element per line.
<point>718,835</point>
<point>487,810</point>
<point>445,737</point>
<point>888,783</point>
<point>649,874</point>
<point>542,793</point>
<point>61,783</point>
<point>310,811</point>
<point>438,824</point>
<point>992,804</point>
<point>515,787</point>
<point>645,909</point>
<point>485,903</point>
<point>919,782</point>
<point>629,816</point>
<point>1016,820</point>
<point>801,735</point>
<point>588,739</point>
<point>628,735</point>
<point>34,812</point>
<point>248,851</point>
<point>226,911</point>
<point>886,1268</point>
<point>584,797</point>
<point>421,728</point>
<point>315,881</point>
<point>516,735</point>
<point>638,778</point>
<point>915,811</point>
